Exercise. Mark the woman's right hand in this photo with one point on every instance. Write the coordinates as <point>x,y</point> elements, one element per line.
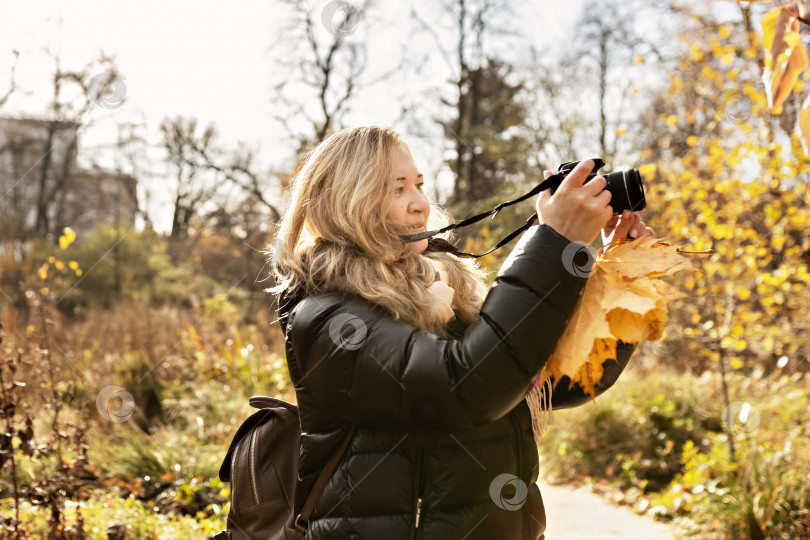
<point>577,210</point>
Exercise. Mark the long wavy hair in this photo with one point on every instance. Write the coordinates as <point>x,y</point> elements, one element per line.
<point>335,235</point>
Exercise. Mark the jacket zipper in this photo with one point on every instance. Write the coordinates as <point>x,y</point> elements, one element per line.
<point>519,456</point>
<point>422,482</point>
<point>252,468</point>
<point>518,449</point>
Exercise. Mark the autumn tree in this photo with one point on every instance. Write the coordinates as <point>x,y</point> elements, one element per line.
<point>485,103</point>
<point>723,176</point>
<point>214,185</point>
<point>489,151</point>
<point>482,115</point>
<point>323,60</point>
<point>587,92</point>
<point>607,47</point>
<point>193,187</point>
<point>555,122</point>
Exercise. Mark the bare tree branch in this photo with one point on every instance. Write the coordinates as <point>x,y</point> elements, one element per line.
<point>12,86</point>
<point>332,69</point>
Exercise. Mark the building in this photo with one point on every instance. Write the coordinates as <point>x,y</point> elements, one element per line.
<point>42,190</point>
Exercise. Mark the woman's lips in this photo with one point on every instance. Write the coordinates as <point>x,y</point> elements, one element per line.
<point>418,229</point>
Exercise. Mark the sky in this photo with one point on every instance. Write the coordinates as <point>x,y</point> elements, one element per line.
<point>213,60</point>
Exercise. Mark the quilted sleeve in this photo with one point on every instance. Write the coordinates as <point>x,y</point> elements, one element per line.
<point>565,395</point>
<point>353,361</point>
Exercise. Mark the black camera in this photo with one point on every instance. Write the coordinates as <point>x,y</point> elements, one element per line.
<point>625,187</point>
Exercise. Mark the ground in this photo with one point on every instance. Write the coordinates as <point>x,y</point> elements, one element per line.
<point>578,514</point>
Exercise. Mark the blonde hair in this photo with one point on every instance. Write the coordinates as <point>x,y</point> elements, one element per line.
<point>335,234</point>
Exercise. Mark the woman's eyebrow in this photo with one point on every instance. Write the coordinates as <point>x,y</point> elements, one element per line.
<point>420,175</point>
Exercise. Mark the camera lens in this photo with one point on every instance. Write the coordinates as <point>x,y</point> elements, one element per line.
<point>626,190</point>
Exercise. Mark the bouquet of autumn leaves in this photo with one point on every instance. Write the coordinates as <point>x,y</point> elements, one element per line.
<point>624,299</point>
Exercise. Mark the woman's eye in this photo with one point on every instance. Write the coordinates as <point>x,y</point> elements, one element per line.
<point>399,190</point>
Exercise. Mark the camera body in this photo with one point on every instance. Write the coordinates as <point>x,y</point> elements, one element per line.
<point>625,187</point>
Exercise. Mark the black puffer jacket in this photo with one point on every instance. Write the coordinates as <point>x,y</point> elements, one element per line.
<point>443,447</point>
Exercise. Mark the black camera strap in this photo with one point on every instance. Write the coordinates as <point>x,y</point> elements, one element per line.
<point>440,244</point>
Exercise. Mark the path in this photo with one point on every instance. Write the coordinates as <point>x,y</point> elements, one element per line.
<point>578,514</point>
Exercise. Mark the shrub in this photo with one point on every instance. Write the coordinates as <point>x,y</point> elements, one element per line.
<point>632,435</point>
<point>766,496</point>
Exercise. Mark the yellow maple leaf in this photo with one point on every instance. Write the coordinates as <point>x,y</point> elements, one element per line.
<point>787,60</point>
<point>640,258</point>
<point>624,299</point>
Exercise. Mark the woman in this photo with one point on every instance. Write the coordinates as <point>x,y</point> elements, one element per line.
<point>406,343</point>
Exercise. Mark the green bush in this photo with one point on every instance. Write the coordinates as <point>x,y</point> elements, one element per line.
<point>116,263</point>
<point>660,439</point>
<point>632,435</point>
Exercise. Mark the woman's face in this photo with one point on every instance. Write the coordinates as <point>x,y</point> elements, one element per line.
<point>410,207</point>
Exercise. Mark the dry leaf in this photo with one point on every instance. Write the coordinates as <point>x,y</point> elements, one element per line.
<point>624,299</point>
<point>788,58</point>
<point>634,259</point>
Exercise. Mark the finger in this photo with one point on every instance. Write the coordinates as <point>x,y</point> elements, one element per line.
<point>546,174</point>
<point>577,177</point>
<point>604,197</point>
<point>648,232</point>
<point>611,224</point>
<point>545,195</point>
<point>597,184</point>
<point>636,228</point>
<point>623,227</point>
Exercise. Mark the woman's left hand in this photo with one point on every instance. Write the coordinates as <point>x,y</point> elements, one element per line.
<point>628,225</point>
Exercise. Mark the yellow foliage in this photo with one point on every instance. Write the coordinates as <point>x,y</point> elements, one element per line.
<point>743,192</point>
<point>195,339</point>
<point>67,238</point>
<point>647,171</point>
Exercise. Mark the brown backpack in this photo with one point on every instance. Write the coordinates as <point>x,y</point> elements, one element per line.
<point>262,466</point>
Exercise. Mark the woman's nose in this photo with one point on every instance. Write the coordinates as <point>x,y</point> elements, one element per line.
<point>419,204</point>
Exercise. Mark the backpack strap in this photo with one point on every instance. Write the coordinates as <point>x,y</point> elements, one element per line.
<point>302,520</point>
